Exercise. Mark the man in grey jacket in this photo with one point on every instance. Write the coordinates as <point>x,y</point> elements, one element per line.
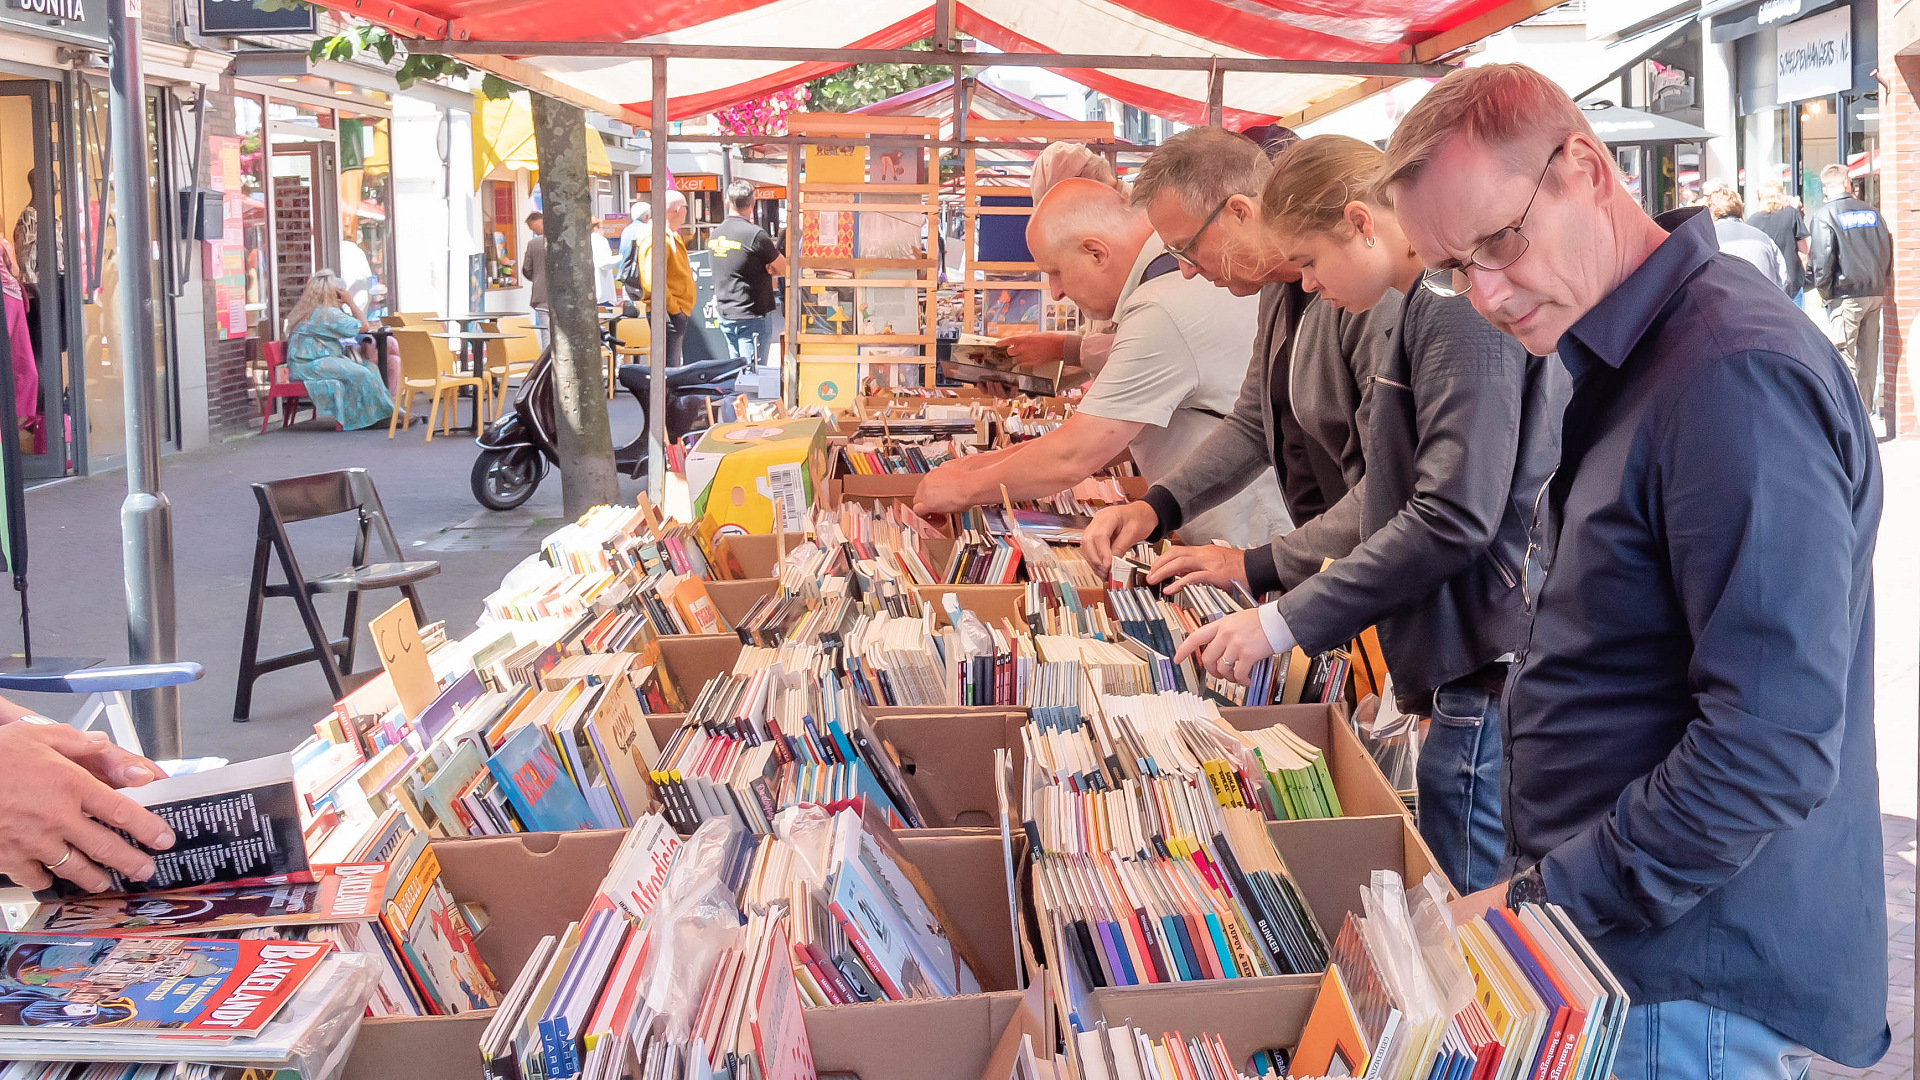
<point>1302,408</point>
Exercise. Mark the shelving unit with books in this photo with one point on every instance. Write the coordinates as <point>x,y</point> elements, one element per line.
<point>1000,295</point>
<point>863,253</point>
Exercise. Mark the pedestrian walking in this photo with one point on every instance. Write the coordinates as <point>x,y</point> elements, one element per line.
<point>745,262</point>
<point>1852,256</point>
<point>1781,220</point>
<point>533,264</point>
<point>1740,239</point>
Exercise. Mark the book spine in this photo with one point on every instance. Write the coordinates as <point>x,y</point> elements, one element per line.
<point>859,943</point>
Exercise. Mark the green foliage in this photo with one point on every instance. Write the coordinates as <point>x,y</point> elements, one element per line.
<point>363,38</point>
<point>863,84</point>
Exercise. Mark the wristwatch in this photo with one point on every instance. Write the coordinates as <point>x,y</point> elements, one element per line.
<point>1526,887</point>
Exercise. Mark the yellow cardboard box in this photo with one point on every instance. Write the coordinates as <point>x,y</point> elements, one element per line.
<point>738,469</point>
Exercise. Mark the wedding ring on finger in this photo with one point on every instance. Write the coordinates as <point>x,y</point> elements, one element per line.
<point>63,859</point>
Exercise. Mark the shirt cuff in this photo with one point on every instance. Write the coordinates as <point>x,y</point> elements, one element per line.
<point>1579,879</point>
<point>1263,576</point>
<point>1278,636</point>
<point>1166,508</point>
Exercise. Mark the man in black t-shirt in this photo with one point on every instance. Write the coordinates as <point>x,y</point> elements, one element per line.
<point>745,262</point>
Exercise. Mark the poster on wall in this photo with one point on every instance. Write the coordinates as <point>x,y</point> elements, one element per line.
<point>226,264</point>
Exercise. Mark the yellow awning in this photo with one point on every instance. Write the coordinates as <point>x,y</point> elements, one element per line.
<point>503,137</point>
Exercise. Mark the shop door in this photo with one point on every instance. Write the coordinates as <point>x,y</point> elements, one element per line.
<point>305,234</point>
<point>32,213</point>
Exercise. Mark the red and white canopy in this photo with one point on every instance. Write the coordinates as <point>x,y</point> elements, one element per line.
<point>1338,30</point>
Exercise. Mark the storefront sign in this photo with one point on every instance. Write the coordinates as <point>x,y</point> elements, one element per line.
<point>241,17</point>
<point>1777,11</point>
<point>1815,56</point>
<point>70,20</point>
<point>701,182</point>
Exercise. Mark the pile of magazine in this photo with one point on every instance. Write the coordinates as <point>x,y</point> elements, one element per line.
<point>239,832</point>
<point>696,956</point>
<point>1511,993</point>
<point>119,1000</point>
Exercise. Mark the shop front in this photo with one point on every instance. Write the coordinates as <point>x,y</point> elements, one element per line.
<point>1807,97</point>
<point>56,198</point>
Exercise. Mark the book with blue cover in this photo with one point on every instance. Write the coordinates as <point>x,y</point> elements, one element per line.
<point>529,771</point>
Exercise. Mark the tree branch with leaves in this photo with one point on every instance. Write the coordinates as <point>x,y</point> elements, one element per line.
<point>362,39</point>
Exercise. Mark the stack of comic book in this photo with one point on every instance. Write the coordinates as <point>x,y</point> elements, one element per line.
<point>119,1000</point>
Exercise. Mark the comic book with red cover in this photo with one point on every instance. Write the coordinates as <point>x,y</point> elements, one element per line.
<point>349,892</point>
<point>52,984</point>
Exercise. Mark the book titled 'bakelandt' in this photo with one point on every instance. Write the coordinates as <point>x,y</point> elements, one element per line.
<point>238,825</point>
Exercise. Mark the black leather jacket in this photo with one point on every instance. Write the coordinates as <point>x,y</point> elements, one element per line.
<point>1465,431</point>
<point>1851,253</point>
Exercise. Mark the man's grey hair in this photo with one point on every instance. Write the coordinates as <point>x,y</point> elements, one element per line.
<point>1203,166</point>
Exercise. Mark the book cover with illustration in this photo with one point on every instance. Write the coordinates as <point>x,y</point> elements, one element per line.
<point>435,939</point>
<point>347,893</point>
<point>191,987</point>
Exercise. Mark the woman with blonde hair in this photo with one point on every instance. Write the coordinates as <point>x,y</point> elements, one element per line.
<point>1455,450</point>
<point>1784,225</point>
<point>342,386</point>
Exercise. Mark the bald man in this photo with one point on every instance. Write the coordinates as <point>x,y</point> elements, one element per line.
<point>1180,351</point>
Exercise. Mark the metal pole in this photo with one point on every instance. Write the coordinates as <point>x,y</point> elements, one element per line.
<point>657,301</point>
<point>1216,97</point>
<point>146,519</point>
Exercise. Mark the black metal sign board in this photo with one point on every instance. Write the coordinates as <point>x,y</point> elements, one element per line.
<point>229,17</point>
<point>63,20</point>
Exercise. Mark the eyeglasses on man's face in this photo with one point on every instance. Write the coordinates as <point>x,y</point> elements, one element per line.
<point>1181,252</point>
<point>1497,252</point>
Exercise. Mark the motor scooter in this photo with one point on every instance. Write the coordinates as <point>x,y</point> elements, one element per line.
<point>517,450</point>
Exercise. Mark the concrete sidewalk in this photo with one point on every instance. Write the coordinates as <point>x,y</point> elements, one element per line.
<point>75,573</point>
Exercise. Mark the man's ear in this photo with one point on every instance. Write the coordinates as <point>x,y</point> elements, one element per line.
<point>1242,208</point>
<point>1592,166</point>
<point>1096,249</point>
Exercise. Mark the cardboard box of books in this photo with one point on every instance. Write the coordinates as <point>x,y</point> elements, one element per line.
<point>532,885</point>
<point>737,470</point>
<point>1250,1015</point>
<point>933,1039</point>
<point>1361,786</point>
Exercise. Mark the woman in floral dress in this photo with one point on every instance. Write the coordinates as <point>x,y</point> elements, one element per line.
<point>342,385</point>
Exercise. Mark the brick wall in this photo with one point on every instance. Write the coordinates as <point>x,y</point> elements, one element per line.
<point>1900,202</point>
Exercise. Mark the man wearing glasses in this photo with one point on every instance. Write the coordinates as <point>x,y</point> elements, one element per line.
<point>1691,770</point>
<point>1302,406</point>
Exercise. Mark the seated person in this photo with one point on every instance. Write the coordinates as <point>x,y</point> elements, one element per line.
<point>342,386</point>
<point>1180,352</point>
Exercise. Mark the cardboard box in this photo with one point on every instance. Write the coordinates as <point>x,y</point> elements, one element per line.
<point>1249,1015</point>
<point>531,885</point>
<point>736,470</point>
<point>938,1039</point>
<point>733,599</point>
<point>534,884</point>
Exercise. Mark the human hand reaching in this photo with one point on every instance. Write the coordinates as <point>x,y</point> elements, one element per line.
<point>58,813</point>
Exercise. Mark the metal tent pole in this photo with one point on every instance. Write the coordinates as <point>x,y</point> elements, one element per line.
<point>146,518</point>
<point>657,299</point>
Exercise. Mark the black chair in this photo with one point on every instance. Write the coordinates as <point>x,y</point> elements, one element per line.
<point>304,498</point>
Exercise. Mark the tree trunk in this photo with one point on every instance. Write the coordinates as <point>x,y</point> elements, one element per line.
<point>587,475</point>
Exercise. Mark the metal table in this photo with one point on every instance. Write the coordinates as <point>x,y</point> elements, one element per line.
<point>470,360</point>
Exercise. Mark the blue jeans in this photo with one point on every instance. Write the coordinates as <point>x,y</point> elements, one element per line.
<point>1459,783</point>
<point>1690,1040</point>
<point>747,339</point>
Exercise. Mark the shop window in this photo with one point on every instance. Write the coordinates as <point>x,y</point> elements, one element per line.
<point>502,232</point>
<point>1863,144</point>
<point>366,211</point>
<point>1819,147</point>
<point>249,116</point>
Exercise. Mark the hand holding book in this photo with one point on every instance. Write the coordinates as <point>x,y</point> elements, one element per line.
<point>58,816</point>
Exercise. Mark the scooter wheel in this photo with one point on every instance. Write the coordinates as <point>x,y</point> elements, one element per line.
<point>503,479</point>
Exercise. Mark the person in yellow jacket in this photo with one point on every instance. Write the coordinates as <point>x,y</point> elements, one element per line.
<point>636,269</point>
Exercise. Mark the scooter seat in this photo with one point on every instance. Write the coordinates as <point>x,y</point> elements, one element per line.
<point>636,377</point>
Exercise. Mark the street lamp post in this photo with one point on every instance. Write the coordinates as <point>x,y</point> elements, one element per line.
<point>146,518</point>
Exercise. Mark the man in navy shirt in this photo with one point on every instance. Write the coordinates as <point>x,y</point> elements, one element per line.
<point>1690,745</point>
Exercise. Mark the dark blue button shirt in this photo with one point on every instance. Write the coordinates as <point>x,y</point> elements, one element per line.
<point>1690,743</point>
